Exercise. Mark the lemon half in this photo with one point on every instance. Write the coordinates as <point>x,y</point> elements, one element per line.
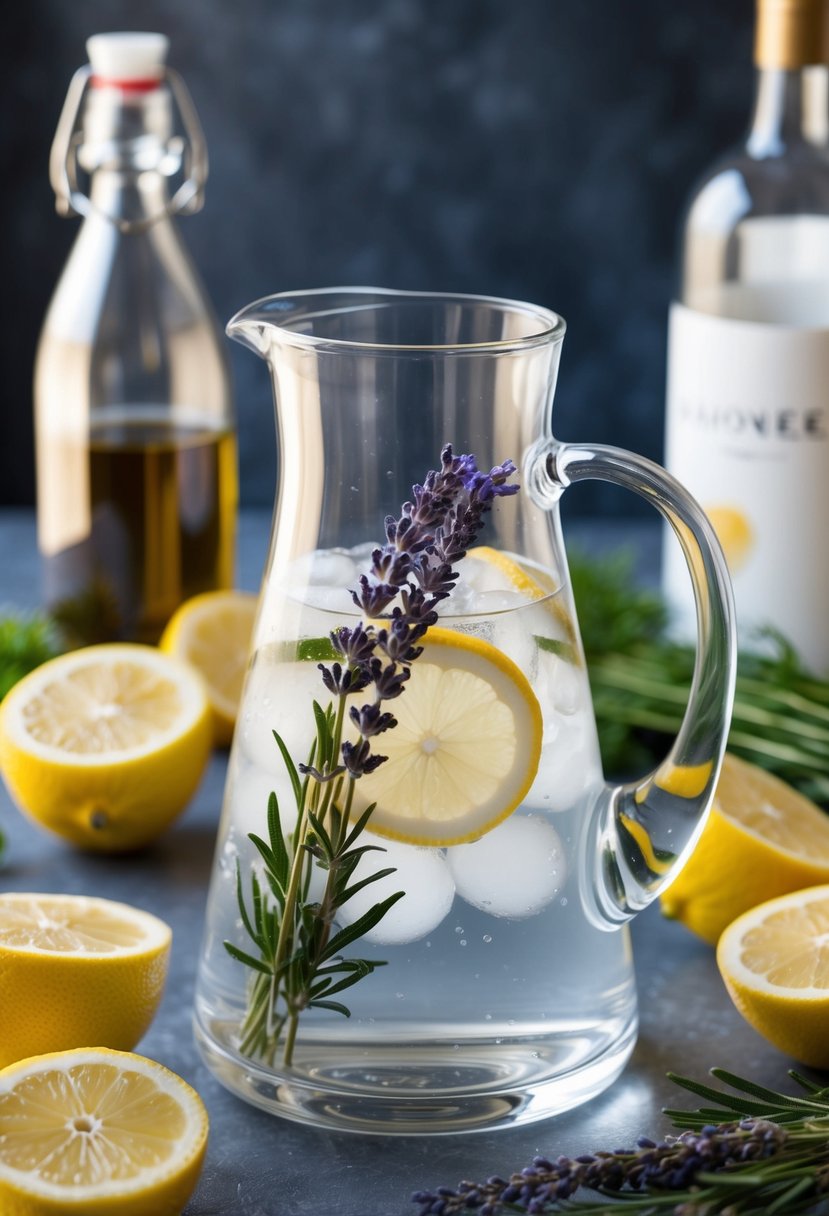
<point>465,749</point>
<point>214,632</point>
<point>762,839</point>
<point>98,1133</point>
<point>775,964</point>
<point>76,971</point>
<point>106,745</point>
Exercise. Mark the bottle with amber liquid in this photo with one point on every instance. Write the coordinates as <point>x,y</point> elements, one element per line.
<point>134,426</point>
<point>748,361</point>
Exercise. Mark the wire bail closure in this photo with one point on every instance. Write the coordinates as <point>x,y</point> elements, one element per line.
<point>63,159</point>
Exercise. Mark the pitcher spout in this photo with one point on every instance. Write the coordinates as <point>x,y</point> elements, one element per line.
<point>252,327</point>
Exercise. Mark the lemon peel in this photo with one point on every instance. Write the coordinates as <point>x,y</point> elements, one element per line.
<point>76,969</point>
<point>106,745</point>
<point>762,839</point>
<point>213,632</point>
<point>535,585</point>
<point>97,1132</point>
<point>774,961</point>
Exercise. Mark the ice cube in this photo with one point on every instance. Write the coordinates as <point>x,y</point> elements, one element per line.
<point>361,554</point>
<point>279,697</point>
<point>562,684</point>
<point>333,568</point>
<point>482,576</point>
<point>514,870</point>
<point>484,603</point>
<point>247,795</point>
<point>569,765</point>
<point>334,600</point>
<point>246,799</point>
<point>424,877</point>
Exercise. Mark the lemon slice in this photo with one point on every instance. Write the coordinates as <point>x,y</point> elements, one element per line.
<point>762,839</point>
<point>213,632</point>
<point>537,585</point>
<point>98,1131</point>
<point>465,749</point>
<point>775,964</point>
<point>76,970</point>
<point>106,745</point>
<point>516,577</point>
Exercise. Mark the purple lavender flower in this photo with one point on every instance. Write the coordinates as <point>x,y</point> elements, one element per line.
<point>671,1165</point>
<point>416,567</point>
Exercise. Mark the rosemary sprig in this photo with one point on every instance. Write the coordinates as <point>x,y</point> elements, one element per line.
<point>300,964</point>
<point>752,1152</point>
<point>640,679</point>
<point>300,942</point>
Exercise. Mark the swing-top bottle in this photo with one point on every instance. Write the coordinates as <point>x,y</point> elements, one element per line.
<point>135,437</point>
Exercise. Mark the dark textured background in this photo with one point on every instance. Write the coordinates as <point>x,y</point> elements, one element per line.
<point>538,148</point>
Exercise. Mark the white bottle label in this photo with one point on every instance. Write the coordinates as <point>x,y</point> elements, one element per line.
<point>748,435</point>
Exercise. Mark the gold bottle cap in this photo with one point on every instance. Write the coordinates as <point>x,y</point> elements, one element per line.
<point>791,33</point>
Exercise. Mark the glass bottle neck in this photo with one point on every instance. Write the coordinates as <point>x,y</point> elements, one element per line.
<point>127,150</point>
<point>791,108</point>
<point>129,199</point>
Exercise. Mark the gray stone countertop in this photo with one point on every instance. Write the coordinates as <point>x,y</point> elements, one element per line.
<point>258,1165</point>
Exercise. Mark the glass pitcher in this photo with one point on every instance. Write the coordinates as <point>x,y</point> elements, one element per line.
<point>469,966</point>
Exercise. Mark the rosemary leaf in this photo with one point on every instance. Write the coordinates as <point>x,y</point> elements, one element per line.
<point>242,957</point>
<point>640,680</point>
<point>752,1165</point>
<point>360,927</point>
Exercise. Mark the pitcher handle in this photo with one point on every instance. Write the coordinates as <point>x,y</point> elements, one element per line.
<point>643,830</point>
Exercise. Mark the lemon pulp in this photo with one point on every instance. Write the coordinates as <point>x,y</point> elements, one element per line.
<point>213,632</point>
<point>762,839</point>
<point>97,1130</point>
<point>774,961</point>
<point>106,745</point>
<point>465,749</point>
<point>75,970</point>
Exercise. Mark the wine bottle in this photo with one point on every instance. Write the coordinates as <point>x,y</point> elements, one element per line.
<point>747,420</point>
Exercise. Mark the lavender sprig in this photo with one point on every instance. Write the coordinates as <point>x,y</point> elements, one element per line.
<point>300,962</point>
<point>434,530</point>
<point>768,1153</point>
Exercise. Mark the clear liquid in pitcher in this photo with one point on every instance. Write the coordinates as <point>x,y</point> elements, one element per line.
<point>500,1000</point>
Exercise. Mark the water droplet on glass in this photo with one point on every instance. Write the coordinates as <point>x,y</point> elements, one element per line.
<point>459,928</point>
<point>487,938</point>
<point>462,942</point>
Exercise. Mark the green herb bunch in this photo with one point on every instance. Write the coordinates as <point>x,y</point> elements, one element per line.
<point>640,678</point>
<point>300,962</point>
<point>751,1152</point>
<point>26,641</point>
